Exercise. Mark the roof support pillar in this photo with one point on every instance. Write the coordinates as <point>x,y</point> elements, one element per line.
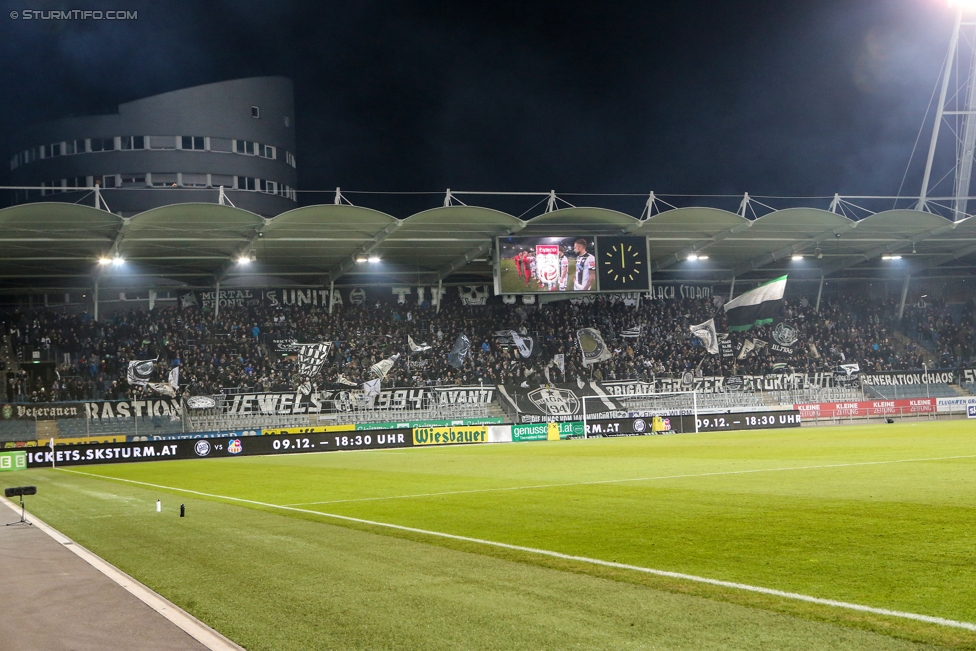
<point>732,288</point>
<point>95,300</point>
<point>816,308</point>
<point>904,295</point>
<point>331,295</point>
<point>217,300</point>
<point>744,206</point>
<point>440,292</point>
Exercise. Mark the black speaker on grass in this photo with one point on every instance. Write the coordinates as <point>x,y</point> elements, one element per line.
<point>20,491</point>
<point>16,491</point>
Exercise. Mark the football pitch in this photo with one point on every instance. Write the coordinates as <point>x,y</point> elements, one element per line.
<point>737,540</point>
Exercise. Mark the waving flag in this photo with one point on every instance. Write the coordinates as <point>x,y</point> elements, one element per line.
<point>462,346</point>
<point>757,306</point>
<point>592,346</point>
<point>707,335</point>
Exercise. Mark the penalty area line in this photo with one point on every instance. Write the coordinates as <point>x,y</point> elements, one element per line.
<point>941,621</point>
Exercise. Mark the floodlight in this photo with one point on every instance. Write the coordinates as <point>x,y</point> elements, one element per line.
<point>891,257</point>
<point>963,4</point>
<point>362,259</point>
<point>243,260</point>
<point>703,257</point>
<point>374,258</point>
<point>692,257</point>
<point>117,261</point>
<point>104,261</point>
<point>797,256</point>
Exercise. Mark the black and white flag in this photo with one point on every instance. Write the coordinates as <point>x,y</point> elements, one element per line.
<point>311,358</point>
<point>725,345</point>
<point>751,348</point>
<point>381,368</point>
<point>525,344</point>
<point>415,347</point>
<point>707,335</point>
<point>168,388</point>
<point>592,346</point>
<point>785,336</point>
<point>462,346</point>
<point>631,333</point>
<point>851,369</point>
<point>344,381</point>
<point>757,306</point>
<point>139,371</point>
<point>560,361</point>
<point>188,299</point>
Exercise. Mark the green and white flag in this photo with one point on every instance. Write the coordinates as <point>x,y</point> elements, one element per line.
<point>757,306</point>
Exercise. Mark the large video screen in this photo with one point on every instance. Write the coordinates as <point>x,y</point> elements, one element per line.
<point>534,265</point>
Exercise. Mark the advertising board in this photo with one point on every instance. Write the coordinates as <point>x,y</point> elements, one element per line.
<point>126,452</point>
<point>14,460</point>
<point>450,435</point>
<point>868,408</point>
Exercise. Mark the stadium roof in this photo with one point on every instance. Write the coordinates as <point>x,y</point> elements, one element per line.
<point>55,246</point>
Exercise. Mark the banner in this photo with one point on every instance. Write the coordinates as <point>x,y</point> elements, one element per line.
<point>897,378</point>
<point>684,424</point>
<point>101,453</point>
<point>725,346</point>
<point>676,292</point>
<point>551,431</point>
<point>11,461</point>
<point>784,338</point>
<point>450,435</point>
<point>867,408</point>
<point>324,402</point>
<point>561,402</point>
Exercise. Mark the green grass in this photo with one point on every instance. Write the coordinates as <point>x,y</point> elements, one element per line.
<point>778,509</point>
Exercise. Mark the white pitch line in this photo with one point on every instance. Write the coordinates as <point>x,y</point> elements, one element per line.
<point>618,481</point>
<point>941,621</point>
<point>189,624</point>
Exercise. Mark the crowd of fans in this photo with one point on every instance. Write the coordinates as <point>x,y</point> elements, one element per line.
<point>240,348</point>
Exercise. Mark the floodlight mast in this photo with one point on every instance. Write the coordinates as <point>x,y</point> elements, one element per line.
<point>966,135</point>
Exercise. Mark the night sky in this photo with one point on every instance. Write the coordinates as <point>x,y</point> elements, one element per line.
<point>773,98</point>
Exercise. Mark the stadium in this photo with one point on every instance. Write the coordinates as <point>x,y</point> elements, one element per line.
<point>535,420</point>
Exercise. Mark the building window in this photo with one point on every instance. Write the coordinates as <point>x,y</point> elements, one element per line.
<point>193,142</point>
<point>163,180</point>
<point>77,182</point>
<point>268,151</point>
<point>193,180</point>
<point>245,183</point>
<point>162,142</point>
<point>244,147</point>
<point>221,144</point>
<point>271,188</point>
<point>133,142</point>
<point>255,112</point>
<point>103,144</point>
<point>129,180</point>
<point>290,158</point>
<point>109,181</point>
<point>221,180</point>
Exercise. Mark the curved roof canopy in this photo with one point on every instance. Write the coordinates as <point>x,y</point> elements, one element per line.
<point>60,245</point>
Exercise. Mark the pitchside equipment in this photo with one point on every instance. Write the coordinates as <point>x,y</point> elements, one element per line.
<point>641,413</point>
<point>20,491</point>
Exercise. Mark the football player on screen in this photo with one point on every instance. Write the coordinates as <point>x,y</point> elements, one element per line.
<point>585,267</point>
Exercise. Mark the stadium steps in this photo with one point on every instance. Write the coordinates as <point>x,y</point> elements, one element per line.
<point>960,390</point>
<point>902,342</point>
<point>46,429</point>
